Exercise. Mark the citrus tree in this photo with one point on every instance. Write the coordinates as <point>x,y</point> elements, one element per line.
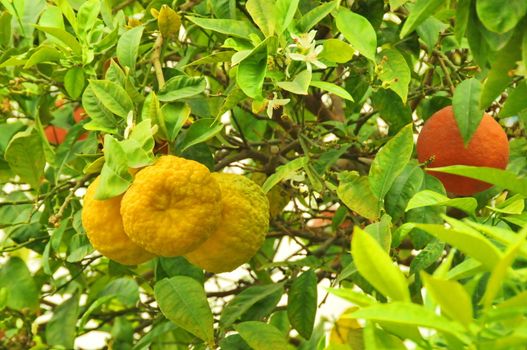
<point>204,174</point>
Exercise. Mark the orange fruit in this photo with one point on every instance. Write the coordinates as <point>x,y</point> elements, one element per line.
<point>79,114</point>
<point>55,135</point>
<point>326,219</point>
<point>440,142</point>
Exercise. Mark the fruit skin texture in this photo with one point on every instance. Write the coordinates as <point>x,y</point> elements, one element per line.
<point>104,228</point>
<point>172,206</point>
<point>440,137</point>
<point>242,231</point>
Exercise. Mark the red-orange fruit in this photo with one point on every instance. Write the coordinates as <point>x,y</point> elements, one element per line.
<point>440,141</point>
<point>79,114</point>
<point>55,135</point>
<point>326,219</point>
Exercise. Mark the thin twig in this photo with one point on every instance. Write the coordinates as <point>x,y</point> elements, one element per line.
<point>447,75</point>
<point>156,61</point>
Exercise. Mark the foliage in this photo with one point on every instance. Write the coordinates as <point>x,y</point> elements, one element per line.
<point>320,102</point>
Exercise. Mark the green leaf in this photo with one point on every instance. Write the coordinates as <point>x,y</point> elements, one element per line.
<point>28,165</point>
<point>61,329</point>
<point>87,16</point>
<point>251,71</point>
<point>125,289</point>
<point>43,54</point>
<point>357,298</point>
<point>66,38</point>
<point>168,21</point>
<point>512,206</point>
<point>454,300</point>
<point>19,286</point>
<point>499,273</point>
<point>392,109</point>
<point>429,31</point>
<point>374,337</point>
<point>500,16</point>
<point>395,4</point>
<point>310,19</point>
<point>215,57</point>
<point>74,82</point>
<point>115,178</point>
<point>390,162</point>
<point>300,83</point>
<point>519,299</point>
<point>332,88</point>
<point>524,48</point>
<point>505,236</point>
<point>394,72</point>
<point>302,303</point>
<point>355,192</point>
<point>466,269</point>
<point>376,266</point>
<point>381,231</point>
<point>139,146</point>
<point>200,131</point>
<point>499,78</point>
<point>182,86</point>
<point>263,14</point>
<point>469,242</point>
<point>516,102</point>
<point>183,301</point>
<point>430,198</point>
<point>498,177</point>
<point>405,186</point>
<point>93,307</point>
<point>285,171</point>
<point>178,266</point>
<point>68,12</point>
<point>5,28</point>
<point>128,47</point>
<point>285,11</point>
<point>427,256</point>
<point>467,112</point>
<point>112,96</point>
<point>152,110</point>
<point>233,342</point>
<point>421,10</point>
<point>358,31</point>
<point>462,14</point>
<point>101,118</point>
<point>262,336</point>
<point>245,300</point>
<point>174,116</point>
<point>230,27</point>
<point>337,51</point>
<point>234,97</point>
<point>406,313</point>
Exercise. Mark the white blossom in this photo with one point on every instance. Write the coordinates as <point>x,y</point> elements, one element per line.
<point>306,50</point>
<point>275,103</point>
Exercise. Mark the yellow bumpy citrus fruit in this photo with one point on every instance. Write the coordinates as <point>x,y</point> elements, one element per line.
<point>172,206</point>
<point>104,227</point>
<point>242,230</point>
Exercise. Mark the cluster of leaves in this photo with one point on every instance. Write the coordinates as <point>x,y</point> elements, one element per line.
<point>318,101</point>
